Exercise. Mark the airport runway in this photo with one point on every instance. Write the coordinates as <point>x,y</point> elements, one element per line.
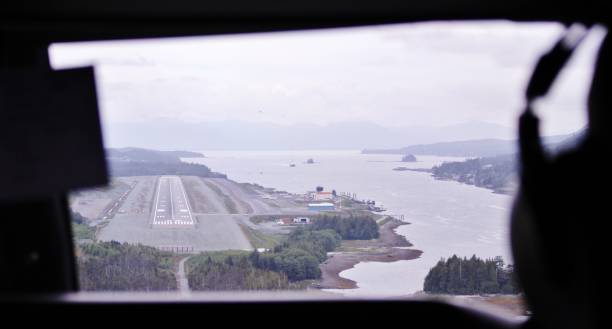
<point>171,208</point>
<point>207,225</point>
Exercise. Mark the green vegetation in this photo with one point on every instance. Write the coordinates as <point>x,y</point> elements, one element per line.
<point>232,271</point>
<point>472,276</point>
<point>259,239</point>
<point>140,154</point>
<point>496,173</point>
<point>143,168</point>
<point>385,220</point>
<point>83,232</point>
<point>132,161</point>
<point>112,266</point>
<point>300,255</point>
<point>80,228</point>
<point>258,219</point>
<point>350,227</point>
<point>287,266</point>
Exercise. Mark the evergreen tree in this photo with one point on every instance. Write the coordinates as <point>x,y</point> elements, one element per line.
<point>459,276</point>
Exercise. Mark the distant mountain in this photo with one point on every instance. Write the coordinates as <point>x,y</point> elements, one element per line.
<point>472,148</point>
<point>241,135</point>
<point>469,148</point>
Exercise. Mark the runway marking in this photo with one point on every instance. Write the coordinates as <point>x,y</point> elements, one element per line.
<point>157,199</point>
<point>186,202</point>
<point>171,199</point>
<point>182,216</point>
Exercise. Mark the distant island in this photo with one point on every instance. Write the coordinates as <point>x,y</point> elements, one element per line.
<point>497,172</point>
<point>409,158</point>
<point>132,161</point>
<point>412,169</point>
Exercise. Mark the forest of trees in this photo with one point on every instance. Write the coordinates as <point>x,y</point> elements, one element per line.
<point>295,260</point>
<point>219,271</point>
<point>300,255</point>
<point>496,173</point>
<point>113,266</point>
<point>353,227</point>
<point>462,276</point>
<point>131,161</point>
<point>139,155</point>
<point>145,168</point>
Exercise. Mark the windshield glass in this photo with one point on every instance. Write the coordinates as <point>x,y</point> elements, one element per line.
<point>372,161</point>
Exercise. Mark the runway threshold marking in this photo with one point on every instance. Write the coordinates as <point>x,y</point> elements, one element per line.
<point>160,215</point>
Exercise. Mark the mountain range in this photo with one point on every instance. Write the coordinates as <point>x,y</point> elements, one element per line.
<point>240,135</point>
<point>469,148</point>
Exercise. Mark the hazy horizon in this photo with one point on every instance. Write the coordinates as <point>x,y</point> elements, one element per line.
<point>242,135</point>
<point>381,86</point>
<point>183,139</point>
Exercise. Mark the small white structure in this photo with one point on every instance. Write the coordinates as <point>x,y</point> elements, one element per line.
<point>301,220</point>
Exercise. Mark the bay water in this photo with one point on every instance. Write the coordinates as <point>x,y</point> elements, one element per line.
<point>446,217</point>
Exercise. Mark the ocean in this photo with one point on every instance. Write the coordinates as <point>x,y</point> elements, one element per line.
<point>445,217</point>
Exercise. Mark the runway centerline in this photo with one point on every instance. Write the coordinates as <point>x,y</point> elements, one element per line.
<point>171,205</point>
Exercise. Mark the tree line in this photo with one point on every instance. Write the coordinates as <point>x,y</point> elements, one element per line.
<point>114,266</point>
<point>145,168</point>
<point>496,173</point>
<point>300,255</point>
<point>462,276</point>
<point>294,260</point>
<point>223,271</point>
<point>351,227</point>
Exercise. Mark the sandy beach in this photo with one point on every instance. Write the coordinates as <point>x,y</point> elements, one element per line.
<point>389,247</point>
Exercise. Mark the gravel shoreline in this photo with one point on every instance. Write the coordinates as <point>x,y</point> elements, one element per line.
<point>389,247</point>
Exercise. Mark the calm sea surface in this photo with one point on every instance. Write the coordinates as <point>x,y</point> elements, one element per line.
<point>445,217</point>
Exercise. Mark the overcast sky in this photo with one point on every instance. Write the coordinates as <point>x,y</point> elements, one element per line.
<point>429,74</point>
